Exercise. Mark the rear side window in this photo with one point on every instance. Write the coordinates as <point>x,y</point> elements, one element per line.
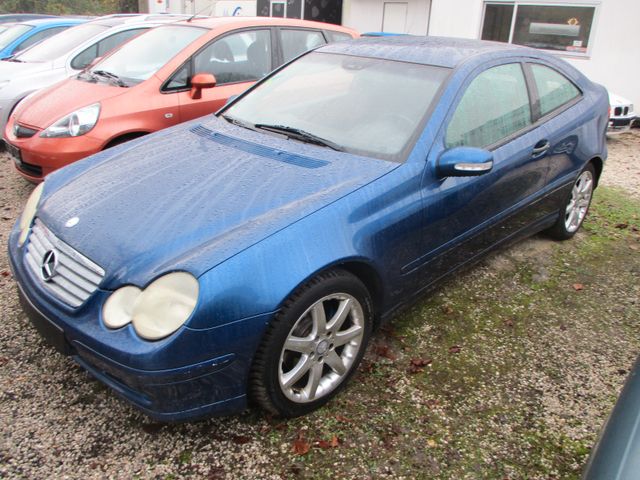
<point>494,106</point>
<point>337,36</point>
<point>238,57</point>
<point>38,37</point>
<point>296,42</point>
<point>101,48</point>
<point>554,89</point>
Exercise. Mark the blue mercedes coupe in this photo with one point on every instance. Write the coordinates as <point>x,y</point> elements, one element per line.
<point>249,255</point>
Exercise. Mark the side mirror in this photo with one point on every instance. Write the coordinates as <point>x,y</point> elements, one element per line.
<point>200,81</point>
<point>464,162</point>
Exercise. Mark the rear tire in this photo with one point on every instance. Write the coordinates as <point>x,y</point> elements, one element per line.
<point>575,207</point>
<point>313,345</point>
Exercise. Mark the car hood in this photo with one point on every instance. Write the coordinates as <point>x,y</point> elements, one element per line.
<point>617,100</point>
<point>50,104</point>
<point>14,70</point>
<point>189,197</point>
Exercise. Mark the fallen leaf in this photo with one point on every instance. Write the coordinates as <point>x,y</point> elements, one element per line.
<point>455,349</point>
<point>508,322</point>
<point>384,351</point>
<point>621,226</point>
<point>578,286</point>
<point>431,443</point>
<point>432,403</point>
<point>333,443</point>
<point>343,419</point>
<point>5,273</point>
<point>240,439</point>
<point>300,445</point>
<point>447,309</point>
<point>416,365</point>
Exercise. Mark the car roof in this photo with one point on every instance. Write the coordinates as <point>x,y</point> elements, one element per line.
<point>53,21</point>
<point>439,51</point>
<point>120,19</point>
<point>215,22</point>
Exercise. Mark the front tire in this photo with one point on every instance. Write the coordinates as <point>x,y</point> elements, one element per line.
<point>576,206</point>
<point>313,345</point>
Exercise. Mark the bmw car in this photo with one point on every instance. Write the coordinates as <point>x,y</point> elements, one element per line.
<point>249,255</point>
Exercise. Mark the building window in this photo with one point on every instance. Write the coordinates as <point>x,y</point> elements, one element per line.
<point>562,27</point>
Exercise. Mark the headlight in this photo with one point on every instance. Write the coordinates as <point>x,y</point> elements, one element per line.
<point>75,124</point>
<point>158,310</point>
<point>29,213</point>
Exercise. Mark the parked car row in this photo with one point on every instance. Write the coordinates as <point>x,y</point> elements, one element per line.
<point>170,74</point>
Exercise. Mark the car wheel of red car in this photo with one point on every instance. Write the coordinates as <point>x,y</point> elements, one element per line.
<point>313,345</point>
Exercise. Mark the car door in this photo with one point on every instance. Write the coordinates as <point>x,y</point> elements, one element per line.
<point>237,60</point>
<point>295,41</point>
<point>467,215</point>
<point>556,95</point>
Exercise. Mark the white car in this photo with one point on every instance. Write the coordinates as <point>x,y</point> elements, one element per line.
<point>622,114</point>
<point>67,54</point>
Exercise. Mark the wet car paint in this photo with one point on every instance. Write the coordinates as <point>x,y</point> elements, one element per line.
<point>254,216</point>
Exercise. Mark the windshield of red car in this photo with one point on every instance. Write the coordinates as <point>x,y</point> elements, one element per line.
<point>57,45</point>
<point>366,106</point>
<point>144,55</point>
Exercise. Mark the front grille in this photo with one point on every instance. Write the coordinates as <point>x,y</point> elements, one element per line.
<point>28,168</point>
<point>617,111</point>
<point>21,131</point>
<point>626,111</point>
<point>74,277</point>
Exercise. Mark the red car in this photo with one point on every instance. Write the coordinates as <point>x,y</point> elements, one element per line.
<point>167,75</point>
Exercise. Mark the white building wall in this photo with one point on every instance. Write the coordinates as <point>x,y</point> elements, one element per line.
<point>367,15</point>
<point>614,57</point>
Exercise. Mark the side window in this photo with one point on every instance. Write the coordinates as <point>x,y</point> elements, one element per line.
<point>238,57</point>
<point>337,36</point>
<point>38,37</point>
<point>295,42</point>
<point>494,106</point>
<point>554,89</point>
<point>101,48</point>
<point>179,80</point>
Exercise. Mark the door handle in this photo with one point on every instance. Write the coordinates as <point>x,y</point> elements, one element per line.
<point>540,148</point>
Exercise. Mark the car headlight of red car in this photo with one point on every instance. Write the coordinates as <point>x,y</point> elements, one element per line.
<point>75,124</point>
<point>156,311</point>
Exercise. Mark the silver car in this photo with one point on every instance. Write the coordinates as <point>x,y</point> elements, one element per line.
<point>66,54</point>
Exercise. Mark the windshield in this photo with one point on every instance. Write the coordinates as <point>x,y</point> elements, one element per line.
<point>59,44</point>
<point>366,106</point>
<point>144,55</point>
<point>11,33</point>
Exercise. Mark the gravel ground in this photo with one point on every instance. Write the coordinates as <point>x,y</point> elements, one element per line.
<point>509,379</point>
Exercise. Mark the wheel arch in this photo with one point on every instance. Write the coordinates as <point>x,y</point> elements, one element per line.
<point>124,137</point>
<point>363,270</point>
<point>598,165</point>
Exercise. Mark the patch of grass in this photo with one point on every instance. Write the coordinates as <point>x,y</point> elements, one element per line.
<point>515,373</point>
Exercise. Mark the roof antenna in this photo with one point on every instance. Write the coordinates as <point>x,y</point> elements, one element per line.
<point>200,11</point>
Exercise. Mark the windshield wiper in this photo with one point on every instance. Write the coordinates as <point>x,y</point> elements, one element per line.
<point>299,134</point>
<point>238,122</point>
<point>111,76</point>
<point>13,59</point>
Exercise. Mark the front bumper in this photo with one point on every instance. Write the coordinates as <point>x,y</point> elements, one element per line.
<point>213,364</point>
<point>620,124</point>
<point>35,157</point>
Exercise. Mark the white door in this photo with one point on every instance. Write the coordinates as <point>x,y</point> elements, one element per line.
<point>394,17</point>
